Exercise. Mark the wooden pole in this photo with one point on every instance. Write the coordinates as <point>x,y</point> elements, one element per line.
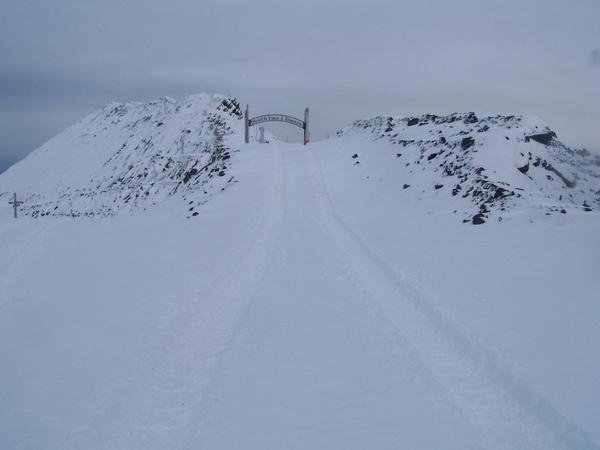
<point>247,125</point>
<point>306,131</point>
<point>15,203</point>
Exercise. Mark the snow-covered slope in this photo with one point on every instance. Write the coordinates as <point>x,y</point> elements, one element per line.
<point>480,168</point>
<point>128,156</point>
<point>308,306</point>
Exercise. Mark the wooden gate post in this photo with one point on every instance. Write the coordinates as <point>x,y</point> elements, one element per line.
<point>306,132</point>
<point>247,124</point>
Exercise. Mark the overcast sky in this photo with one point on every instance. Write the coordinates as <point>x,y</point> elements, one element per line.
<point>61,59</point>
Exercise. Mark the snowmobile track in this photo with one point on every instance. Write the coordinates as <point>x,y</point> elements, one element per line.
<point>164,408</point>
<point>507,411</point>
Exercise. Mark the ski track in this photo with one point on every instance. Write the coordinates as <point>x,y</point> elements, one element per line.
<point>508,413</point>
<point>162,411</point>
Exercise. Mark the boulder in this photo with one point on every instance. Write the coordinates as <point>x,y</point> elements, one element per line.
<point>542,138</point>
<point>467,142</point>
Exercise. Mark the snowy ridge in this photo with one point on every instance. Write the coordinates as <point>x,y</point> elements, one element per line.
<point>482,167</point>
<point>129,156</point>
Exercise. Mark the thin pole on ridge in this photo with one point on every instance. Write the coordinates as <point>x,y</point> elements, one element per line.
<point>15,203</point>
<point>247,124</point>
<point>306,132</point>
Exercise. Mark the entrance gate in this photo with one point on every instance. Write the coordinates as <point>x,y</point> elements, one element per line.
<point>275,118</point>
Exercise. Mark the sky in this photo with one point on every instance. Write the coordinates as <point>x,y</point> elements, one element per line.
<point>62,59</point>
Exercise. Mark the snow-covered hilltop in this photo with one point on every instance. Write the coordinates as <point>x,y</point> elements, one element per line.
<point>129,156</point>
<point>477,167</point>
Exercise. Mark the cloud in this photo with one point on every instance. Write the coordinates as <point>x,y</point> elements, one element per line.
<point>344,58</point>
<point>595,56</point>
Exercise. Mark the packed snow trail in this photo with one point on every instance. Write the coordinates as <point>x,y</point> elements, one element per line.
<point>264,322</point>
<point>159,411</point>
<point>506,411</point>
<point>335,352</point>
<point>314,364</point>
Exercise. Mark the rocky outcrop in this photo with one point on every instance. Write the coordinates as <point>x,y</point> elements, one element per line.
<point>493,164</point>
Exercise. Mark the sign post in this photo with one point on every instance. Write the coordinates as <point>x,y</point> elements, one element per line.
<point>15,203</point>
<point>306,132</point>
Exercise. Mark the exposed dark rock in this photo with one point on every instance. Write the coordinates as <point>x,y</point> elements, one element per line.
<point>471,118</point>
<point>478,219</point>
<point>467,142</point>
<point>430,157</point>
<point>439,186</point>
<point>524,169</point>
<point>390,125</point>
<point>413,121</point>
<point>189,174</point>
<point>406,186</point>
<point>542,138</point>
<point>500,192</point>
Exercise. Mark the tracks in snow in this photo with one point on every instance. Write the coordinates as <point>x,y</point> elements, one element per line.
<point>167,406</point>
<point>506,410</point>
<point>163,410</point>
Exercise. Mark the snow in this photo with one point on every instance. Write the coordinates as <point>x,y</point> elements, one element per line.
<point>118,296</point>
<point>480,168</point>
<point>127,157</point>
<point>313,303</point>
<point>522,292</point>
